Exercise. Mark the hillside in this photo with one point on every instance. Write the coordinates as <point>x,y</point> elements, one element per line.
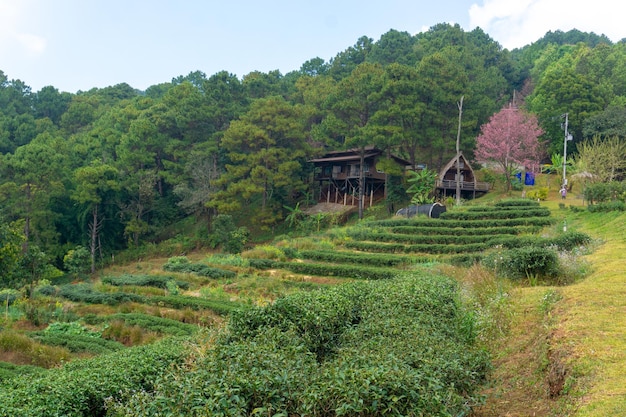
<point>542,338</point>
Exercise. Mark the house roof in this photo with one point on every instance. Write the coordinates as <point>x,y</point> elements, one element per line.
<point>450,164</point>
<point>353,155</point>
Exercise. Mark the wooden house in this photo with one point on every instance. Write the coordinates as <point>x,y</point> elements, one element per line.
<point>446,183</point>
<point>338,175</point>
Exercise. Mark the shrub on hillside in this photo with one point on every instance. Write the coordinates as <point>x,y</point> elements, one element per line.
<point>182,264</point>
<point>524,262</point>
<point>158,281</point>
<point>397,348</point>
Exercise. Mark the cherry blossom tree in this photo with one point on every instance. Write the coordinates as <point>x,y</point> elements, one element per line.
<point>510,141</point>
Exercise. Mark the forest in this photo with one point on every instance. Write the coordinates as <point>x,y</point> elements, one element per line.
<point>89,176</point>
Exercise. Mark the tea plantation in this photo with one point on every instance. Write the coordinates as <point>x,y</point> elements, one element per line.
<point>355,321</point>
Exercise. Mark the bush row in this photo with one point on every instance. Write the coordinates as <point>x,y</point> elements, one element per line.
<point>380,260</point>
<point>467,231</point>
<point>524,262</point>
<point>517,202</point>
<point>322,269</point>
<point>495,214</point>
<point>605,207</point>
<point>145,321</point>
<point>81,387</point>
<point>605,192</point>
<point>158,281</point>
<point>398,348</point>
<point>450,223</point>
<point>86,294</point>
<point>10,370</point>
<point>436,239</point>
<point>566,242</point>
<point>182,264</point>
<point>425,249</point>
<point>78,343</point>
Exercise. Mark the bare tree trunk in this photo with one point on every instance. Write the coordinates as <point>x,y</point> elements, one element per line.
<point>94,237</point>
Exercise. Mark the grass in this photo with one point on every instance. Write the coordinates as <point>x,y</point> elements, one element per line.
<point>564,353</point>
<point>592,321</point>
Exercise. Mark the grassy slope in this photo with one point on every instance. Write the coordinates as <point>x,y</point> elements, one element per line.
<point>568,360</point>
<point>592,320</point>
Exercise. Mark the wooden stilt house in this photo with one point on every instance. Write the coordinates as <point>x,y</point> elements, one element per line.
<point>338,175</point>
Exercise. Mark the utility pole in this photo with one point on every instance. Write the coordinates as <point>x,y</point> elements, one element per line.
<point>567,137</point>
<point>458,155</point>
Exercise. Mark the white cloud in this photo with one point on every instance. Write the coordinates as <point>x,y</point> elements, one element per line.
<point>12,37</point>
<point>517,23</point>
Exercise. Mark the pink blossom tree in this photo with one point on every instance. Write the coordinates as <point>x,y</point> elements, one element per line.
<point>510,141</point>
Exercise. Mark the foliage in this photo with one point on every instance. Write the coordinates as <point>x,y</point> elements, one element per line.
<point>226,235</point>
<point>182,264</point>
<point>605,192</point>
<point>380,260</point>
<point>335,351</point>
<point>81,387</point>
<point>537,193</point>
<point>10,242</point>
<point>76,338</point>
<point>77,261</point>
<point>156,324</point>
<point>495,214</point>
<point>158,281</point>
<point>601,160</point>
<point>524,262</point>
<point>422,186</point>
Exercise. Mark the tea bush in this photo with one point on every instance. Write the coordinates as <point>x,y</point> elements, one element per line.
<point>397,348</point>
<point>156,324</point>
<point>379,260</point>
<point>182,264</point>
<point>492,214</point>
<point>524,262</point>
<point>10,370</point>
<point>158,281</point>
<point>81,387</point>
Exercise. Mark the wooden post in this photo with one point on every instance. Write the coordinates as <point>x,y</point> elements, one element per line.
<point>328,194</point>
<point>371,196</point>
<point>345,198</point>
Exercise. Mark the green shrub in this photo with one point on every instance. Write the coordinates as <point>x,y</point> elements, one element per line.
<point>517,202</point>
<point>81,387</point>
<point>79,343</point>
<point>158,281</point>
<point>607,206</point>
<point>339,270</point>
<point>341,351</point>
<point>152,323</point>
<point>495,214</point>
<point>77,261</point>
<point>524,262</point>
<point>9,370</point>
<point>85,293</point>
<point>537,194</point>
<point>379,260</point>
<point>182,264</point>
<point>8,297</point>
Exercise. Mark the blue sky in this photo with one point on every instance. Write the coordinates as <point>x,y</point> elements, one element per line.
<point>80,44</point>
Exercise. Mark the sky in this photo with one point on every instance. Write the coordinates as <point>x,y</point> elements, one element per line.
<point>77,45</point>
